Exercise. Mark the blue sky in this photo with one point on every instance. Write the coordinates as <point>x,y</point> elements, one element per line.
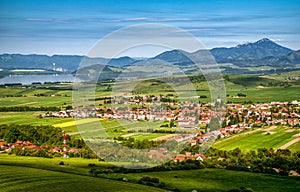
<point>73,27</point>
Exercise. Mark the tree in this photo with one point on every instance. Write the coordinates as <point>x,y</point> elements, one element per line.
<point>33,135</point>
<point>12,135</point>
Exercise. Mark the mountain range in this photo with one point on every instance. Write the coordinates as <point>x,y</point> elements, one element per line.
<point>263,52</point>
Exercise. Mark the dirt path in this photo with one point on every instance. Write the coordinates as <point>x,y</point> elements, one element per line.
<point>129,134</point>
<point>75,133</point>
<point>290,130</point>
<point>270,128</point>
<point>29,103</point>
<point>289,143</point>
<point>297,135</point>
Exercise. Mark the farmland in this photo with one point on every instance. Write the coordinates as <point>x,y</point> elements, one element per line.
<point>14,178</point>
<point>35,172</point>
<point>258,139</point>
<point>31,118</point>
<point>219,180</point>
<point>257,89</point>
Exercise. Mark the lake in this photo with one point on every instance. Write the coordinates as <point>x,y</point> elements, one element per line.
<point>28,79</point>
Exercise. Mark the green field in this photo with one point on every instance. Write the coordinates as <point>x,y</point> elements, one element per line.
<point>27,173</point>
<point>258,139</point>
<point>219,180</point>
<point>33,101</point>
<point>267,88</point>
<point>295,147</point>
<point>15,178</point>
<point>31,118</point>
<point>87,127</point>
<point>148,136</point>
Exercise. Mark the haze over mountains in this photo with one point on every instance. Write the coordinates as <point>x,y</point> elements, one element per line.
<point>260,53</point>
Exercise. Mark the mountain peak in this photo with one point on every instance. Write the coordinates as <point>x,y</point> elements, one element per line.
<point>264,40</point>
<point>175,55</point>
<point>257,50</point>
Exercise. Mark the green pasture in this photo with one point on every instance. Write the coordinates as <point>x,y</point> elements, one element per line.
<point>255,140</point>
<point>295,147</point>
<point>267,88</point>
<point>26,173</point>
<point>213,180</point>
<point>31,118</point>
<point>32,101</point>
<point>284,76</point>
<point>72,165</point>
<point>265,94</point>
<point>14,178</point>
<point>148,136</point>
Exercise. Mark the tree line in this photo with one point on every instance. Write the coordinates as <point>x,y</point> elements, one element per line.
<point>27,108</point>
<point>44,136</point>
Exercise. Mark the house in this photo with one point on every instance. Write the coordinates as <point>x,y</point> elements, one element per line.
<point>182,123</point>
<point>55,150</point>
<point>170,118</point>
<point>2,143</point>
<point>73,150</point>
<point>179,158</point>
<point>193,142</point>
<point>199,157</point>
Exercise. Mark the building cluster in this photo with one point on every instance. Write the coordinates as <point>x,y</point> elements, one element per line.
<point>22,145</point>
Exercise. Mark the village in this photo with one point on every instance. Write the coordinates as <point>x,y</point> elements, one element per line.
<point>190,115</point>
<point>181,116</point>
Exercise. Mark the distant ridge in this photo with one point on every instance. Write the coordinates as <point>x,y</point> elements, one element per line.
<point>257,50</point>
<point>68,62</point>
<point>174,56</point>
<point>261,52</point>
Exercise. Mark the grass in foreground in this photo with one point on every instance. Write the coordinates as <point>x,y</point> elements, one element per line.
<point>29,173</point>
<point>218,180</point>
<point>14,178</point>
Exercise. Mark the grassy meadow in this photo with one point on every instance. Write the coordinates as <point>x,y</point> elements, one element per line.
<point>218,180</point>
<point>253,140</point>
<point>16,178</point>
<point>266,88</point>
<point>34,172</point>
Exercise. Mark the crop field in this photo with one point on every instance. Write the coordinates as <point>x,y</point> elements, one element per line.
<point>266,94</point>
<point>32,172</point>
<point>72,165</point>
<point>76,122</point>
<point>86,127</point>
<point>295,147</point>
<point>14,178</point>
<point>147,136</point>
<point>258,89</point>
<point>258,139</point>
<point>218,180</point>
<point>30,117</point>
<point>33,101</point>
